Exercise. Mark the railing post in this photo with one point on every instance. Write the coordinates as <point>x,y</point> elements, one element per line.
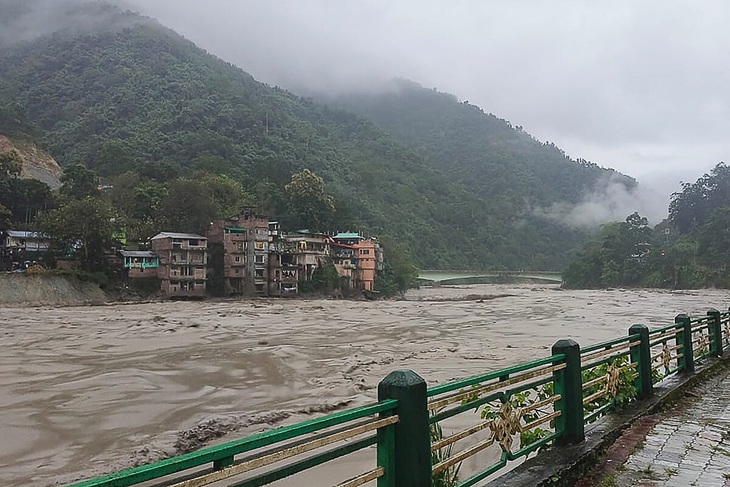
<point>641,356</point>
<point>569,384</point>
<point>412,459</point>
<point>684,337</point>
<point>715,331</point>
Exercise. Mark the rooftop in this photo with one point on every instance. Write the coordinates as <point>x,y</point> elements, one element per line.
<point>138,253</point>
<point>193,236</point>
<point>25,234</point>
<point>348,236</point>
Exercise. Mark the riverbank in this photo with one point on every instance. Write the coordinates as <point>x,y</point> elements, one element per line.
<point>21,290</point>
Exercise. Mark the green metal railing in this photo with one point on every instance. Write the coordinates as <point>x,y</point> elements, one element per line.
<point>419,433</point>
<point>358,425</point>
<point>513,401</point>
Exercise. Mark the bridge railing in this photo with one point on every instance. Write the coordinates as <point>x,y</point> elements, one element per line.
<point>247,459</point>
<point>422,436</point>
<point>520,411</point>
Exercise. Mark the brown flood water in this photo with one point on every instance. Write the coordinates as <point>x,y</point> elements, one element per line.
<point>89,390</point>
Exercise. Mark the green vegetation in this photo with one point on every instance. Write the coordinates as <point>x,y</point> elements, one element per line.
<point>689,250</point>
<point>182,136</point>
<point>512,176</point>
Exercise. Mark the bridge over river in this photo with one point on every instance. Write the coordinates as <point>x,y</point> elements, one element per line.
<point>481,277</point>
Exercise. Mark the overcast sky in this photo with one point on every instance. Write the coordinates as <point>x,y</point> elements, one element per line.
<point>641,86</point>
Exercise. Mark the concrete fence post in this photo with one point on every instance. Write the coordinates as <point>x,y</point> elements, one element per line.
<point>686,362</point>
<point>641,356</point>
<point>715,332</point>
<point>568,383</point>
<point>412,462</point>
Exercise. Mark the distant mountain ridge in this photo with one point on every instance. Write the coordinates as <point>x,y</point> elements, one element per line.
<point>454,185</point>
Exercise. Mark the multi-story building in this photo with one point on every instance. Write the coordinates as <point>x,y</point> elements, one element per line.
<point>305,252</point>
<point>182,263</point>
<point>139,263</point>
<point>357,258</point>
<point>366,265</point>
<point>244,254</point>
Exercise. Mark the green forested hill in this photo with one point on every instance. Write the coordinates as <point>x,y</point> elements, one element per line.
<point>125,95</point>
<point>486,154</point>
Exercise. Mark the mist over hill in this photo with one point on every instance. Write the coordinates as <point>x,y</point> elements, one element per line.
<point>458,188</point>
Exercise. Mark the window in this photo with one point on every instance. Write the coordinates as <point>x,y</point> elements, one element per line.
<point>259,259</point>
<point>238,259</point>
<point>236,270</point>
<point>259,245</point>
<point>193,243</point>
<point>365,252</point>
<point>259,273</point>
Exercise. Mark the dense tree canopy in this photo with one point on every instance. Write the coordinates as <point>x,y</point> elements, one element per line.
<point>691,249</point>
<point>127,98</point>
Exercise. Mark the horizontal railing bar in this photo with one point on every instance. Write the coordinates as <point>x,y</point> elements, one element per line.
<point>703,319</point>
<point>179,463</point>
<point>601,393</point>
<point>438,404</point>
<point>674,326</point>
<point>486,399</point>
<point>363,479</point>
<point>526,450</point>
<point>540,421</point>
<point>486,472</point>
<point>462,455</point>
<point>270,458</point>
<point>597,412</point>
<point>610,343</point>
<point>663,337</point>
<point>595,381</point>
<point>671,349</point>
<point>460,435</point>
<point>537,405</point>
<point>460,384</point>
<point>606,360</point>
<point>305,439</point>
<point>609,351</point>
<point>306,463</point>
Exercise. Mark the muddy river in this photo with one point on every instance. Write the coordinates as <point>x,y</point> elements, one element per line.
<point>89,390</point>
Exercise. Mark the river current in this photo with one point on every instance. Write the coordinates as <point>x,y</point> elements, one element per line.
<point>89,390</point>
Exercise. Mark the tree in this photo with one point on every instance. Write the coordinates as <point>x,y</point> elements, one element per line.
<point>10,164</point>
<point>79,182</point>
<point>82,229</point>
<point>691,208</point>
<point>616,257</point>
<point>308,201</point>
<point>399,273</point>
<point>6,218</point>
<point>186,207</point>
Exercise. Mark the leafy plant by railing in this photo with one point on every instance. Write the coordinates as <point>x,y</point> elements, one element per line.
<point>625,390</point>
<point>526,401</point>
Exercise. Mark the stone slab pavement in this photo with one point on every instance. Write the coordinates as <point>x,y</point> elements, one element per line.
<point>688,446</point>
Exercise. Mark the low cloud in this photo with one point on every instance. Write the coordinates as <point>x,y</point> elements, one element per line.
<point>611,200</point>
<point>26,20</point>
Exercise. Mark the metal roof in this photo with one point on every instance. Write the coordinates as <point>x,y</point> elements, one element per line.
<point>25,234</point>
<point>193,236</point>
<point>138,253</point>
<point>348,235</point>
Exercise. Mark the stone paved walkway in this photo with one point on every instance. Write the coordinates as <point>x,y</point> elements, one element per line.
<point>690,446</point>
